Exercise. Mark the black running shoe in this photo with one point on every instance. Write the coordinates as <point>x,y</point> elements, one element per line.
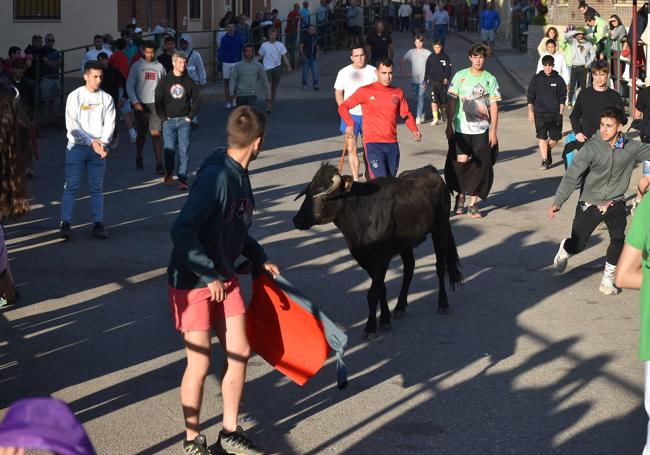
<point>199,446</point>
<point>65,230</point>
<point>545,165</point>
<point>99,232</point>
<point>236,443</point>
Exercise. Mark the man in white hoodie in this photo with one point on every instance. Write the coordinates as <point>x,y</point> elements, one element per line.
<point>195,67</point>
<point>90,121</point>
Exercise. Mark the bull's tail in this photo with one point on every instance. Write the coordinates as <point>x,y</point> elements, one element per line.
<point>452,262</point>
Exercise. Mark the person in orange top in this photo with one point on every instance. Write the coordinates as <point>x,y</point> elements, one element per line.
<point>381,104</point>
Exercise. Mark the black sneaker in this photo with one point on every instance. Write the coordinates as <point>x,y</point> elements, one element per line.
<point>545,165</point>
<point>199,446</point>
<point>236,443</point>
<point>65,230</point>
<point>99,232</point>
<point>139,164</point>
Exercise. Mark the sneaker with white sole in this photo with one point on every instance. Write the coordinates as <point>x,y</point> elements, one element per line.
<point>607,285</point>
<point>561,258</point>
<point>236,443</point>
<point>198,446</point>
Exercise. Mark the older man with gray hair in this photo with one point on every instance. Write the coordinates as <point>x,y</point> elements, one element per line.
<point>177,102</point>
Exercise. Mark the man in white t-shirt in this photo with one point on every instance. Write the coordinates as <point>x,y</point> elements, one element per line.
<point>92,54</point>
<point>348,80</point>
<point>272,53</point>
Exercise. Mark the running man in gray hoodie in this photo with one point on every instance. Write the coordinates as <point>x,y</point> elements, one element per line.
<point>141,88</point>
<point>610,159</point>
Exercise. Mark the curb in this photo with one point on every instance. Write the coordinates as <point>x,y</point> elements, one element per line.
<point>522,86</point>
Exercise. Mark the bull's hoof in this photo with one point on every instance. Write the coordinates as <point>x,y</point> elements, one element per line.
<point>369,336</point>
<point>444,310</point>
<point>399,314</point>
<point>384,326</point>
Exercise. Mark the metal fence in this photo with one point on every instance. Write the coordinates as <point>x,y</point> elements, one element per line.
<point>332,35</point>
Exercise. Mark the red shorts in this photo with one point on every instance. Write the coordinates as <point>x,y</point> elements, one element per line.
<point>193,310</point>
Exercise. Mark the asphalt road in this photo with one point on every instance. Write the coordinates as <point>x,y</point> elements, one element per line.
<point>527,362</point>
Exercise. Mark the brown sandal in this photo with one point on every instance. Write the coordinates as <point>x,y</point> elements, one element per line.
<point>474,212</point>
<point>459,207</point>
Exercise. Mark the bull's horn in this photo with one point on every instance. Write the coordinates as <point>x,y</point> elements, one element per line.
<point>302,193</point>
<point>336,181</point>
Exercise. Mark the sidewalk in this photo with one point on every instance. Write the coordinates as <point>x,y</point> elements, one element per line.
<point>518,65</point>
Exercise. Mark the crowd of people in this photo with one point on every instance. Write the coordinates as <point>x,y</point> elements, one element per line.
<point>156,89</point>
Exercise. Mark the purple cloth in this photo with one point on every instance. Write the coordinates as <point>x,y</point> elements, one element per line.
<point>44,424</point>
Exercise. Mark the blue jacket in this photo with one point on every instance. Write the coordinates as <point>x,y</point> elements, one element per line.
<point>211,230</point>
<point>231,48</point>
<point>490,19</point>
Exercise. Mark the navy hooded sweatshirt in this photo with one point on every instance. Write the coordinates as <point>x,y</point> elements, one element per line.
<point>211,230</point>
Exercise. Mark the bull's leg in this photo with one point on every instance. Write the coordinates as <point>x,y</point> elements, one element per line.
<point>409,266</point>
<point>440,248</point>
<point>376,292</point>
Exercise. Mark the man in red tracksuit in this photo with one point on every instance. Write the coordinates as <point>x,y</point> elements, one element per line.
<point>381,104</point>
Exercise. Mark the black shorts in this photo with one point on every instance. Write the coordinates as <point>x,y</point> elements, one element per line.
<point>472,144</point>
<point>548,126</point>
<point>354,30</point>
<point>438,92</point>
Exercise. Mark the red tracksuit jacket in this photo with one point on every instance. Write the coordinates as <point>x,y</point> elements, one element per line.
<point>380,106</point>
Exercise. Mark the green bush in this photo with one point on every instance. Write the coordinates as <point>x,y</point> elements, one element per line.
<point>538,20</point>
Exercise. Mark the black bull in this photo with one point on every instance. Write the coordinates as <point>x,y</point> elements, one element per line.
<point>381,219</point>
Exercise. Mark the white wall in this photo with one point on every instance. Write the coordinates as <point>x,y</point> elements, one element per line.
<point>80,20</point>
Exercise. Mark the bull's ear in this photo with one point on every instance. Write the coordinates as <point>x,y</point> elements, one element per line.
<point>302,193</point>
<point>347,183</point>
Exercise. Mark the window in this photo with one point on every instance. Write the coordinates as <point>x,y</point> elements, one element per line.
<point>195,9</point>
<point>37,10</point>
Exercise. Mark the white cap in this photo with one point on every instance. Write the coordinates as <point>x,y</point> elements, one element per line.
<point>137,30</point>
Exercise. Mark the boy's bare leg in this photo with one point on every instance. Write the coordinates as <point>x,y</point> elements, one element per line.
<point>197,349</point>
<point>353,159</point>
<point>232,337</point>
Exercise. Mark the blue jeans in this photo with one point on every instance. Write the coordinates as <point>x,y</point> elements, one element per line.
<point>77,158</point>
<point>418,94</point>
<point>441,33</point>
<point>429,29</point>
<point>310,64</point>
<point>176,135</point>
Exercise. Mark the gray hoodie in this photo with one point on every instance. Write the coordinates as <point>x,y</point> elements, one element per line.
<point>609,174</point>
<point>142,81</point>
<point>195,67</point>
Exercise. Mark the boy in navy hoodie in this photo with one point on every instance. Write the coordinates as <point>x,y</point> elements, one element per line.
<point>210,233</point>
<point>437,76</point>
<point>546,98</point>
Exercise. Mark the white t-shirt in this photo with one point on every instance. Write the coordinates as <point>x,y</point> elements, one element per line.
<point>350,79</point>
<point>272,54</point>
